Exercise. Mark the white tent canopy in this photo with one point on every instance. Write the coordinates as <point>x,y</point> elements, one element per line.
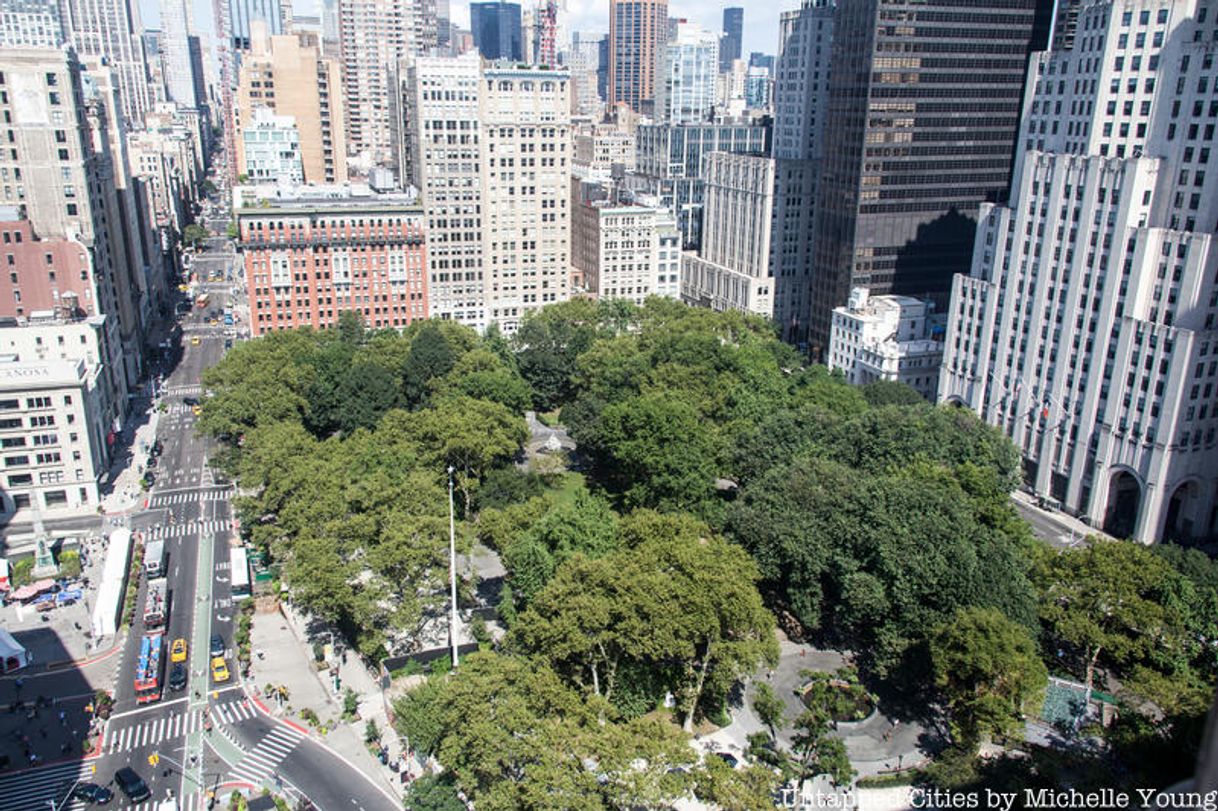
<point>13,655</point>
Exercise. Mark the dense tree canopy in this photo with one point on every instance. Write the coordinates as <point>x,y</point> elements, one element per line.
<point>341,439</point>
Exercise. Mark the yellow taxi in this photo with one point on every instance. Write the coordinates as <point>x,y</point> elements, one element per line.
<point>177,651</point>
<point>219,670</point>
<point>194,340</point>
<point>196,410</point>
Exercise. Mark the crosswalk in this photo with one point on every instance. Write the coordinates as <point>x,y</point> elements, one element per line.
<point>262,762</point>
<point>182,391</point>
<point>185,528</point>
<point>141,733</point>
<point>189,497</point>
<point>23,791</point>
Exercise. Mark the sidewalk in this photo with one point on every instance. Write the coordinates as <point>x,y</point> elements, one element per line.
<point>287,660</point>
<point>125,493</point>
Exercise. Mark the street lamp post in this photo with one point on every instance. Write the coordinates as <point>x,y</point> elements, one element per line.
<point>452,567</point>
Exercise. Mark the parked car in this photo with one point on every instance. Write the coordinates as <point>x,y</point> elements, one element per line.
<point>93,793</point>
<point>219,670</point>
<point>132,785</point>
<point>217,647</point>
<point>177,677</point>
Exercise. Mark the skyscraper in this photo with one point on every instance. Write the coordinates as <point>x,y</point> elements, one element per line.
<point>638,30</point>
<point>733,37</point>
<point>918,142</point>
<point>490,151</point>
<point>685,88</point>
<point>1086,329</point>
<point>376,34</point>
<point>801,92</point>
<point>180,83</point>
<point>243,12</point>
<point>497,30</point>
<point>97,29</point>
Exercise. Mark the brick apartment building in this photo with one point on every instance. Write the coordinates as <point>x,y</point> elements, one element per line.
<point>307,260</point>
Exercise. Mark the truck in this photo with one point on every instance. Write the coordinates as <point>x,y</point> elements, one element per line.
<point>148,669</point>
<point>240,571</point>
<point>156,603</point>
<point>154,559</point>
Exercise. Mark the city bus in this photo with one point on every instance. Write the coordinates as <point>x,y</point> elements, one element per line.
<point>240,565</point>
<point>148,669</point>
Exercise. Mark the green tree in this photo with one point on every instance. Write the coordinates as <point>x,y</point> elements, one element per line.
<point>433,793</point>
<point>467,434</point>
<point>819,752</point>
<point>548,344</point>
<point>195,235</point>
<point>418,716</point>
<point>769,708</point>
<point>483,375</point>
<point>658,452</point>
<point>890,392</point>
<point>1105,600</point>
<point>988,670</point>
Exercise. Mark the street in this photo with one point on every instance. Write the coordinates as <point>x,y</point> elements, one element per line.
<point>205,736</point>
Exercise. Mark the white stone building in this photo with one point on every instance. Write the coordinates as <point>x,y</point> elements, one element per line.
<point>53,438</point>
<point>892,338</point>
<point>1087,327</point>
<point>626,251</point>
<point>489,148</point>
<point>731,271</point>
<point>272,148</point>
<point>600,147</point>
<point>801,97</point>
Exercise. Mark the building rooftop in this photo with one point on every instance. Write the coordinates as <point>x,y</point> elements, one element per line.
<point>49,374</point>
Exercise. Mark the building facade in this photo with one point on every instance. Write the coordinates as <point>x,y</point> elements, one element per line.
<point>733,37</point>
<point>270,149</point>
<point>894,338</point>
<point>109,30</point>
<point>923,109</point>
<point>625,251</point>
<point>177,64</point>
<point>497,30</point>
<point>669,164</point>
<point>309,260</point>
<point>526,118</point>
<point>53,438</point>
<point>442,152</point>
<point>1088,326</point>
<point>732,268</point>
<point>689,67</point>
<point>601,147</point>
<point>244,14</point>
<point>276,73</point>
<point>375,36</point>
<point>638,30</point>
<point>801,93</point>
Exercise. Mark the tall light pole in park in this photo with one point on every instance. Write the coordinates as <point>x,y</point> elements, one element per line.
<point>452,567</point>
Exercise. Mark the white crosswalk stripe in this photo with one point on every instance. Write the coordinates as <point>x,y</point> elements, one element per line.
<point>185,528</point>
<point>171,499</point>
<point>22,791</point>
<point>263,760</point>
<point>123,738</point>
<point>234,711</point>
<point>184,390</point>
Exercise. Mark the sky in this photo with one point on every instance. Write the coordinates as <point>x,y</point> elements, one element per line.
<point>592,16</point>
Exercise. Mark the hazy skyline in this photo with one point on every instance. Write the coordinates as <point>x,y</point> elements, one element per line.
<point>760,24</point>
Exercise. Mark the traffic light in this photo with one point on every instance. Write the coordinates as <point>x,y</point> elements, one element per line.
<point>154,759</point>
